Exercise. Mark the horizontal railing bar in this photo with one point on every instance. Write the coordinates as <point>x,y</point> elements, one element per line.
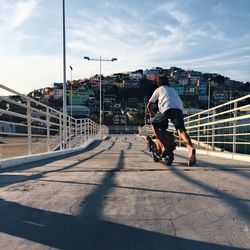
<point>13,123</point>
<point>222,121</point>
<point>219,135</point>
<point>222,105</point>
<point>25,117</point>
<point>28,98</point>
<point>11,113</point>
<point>20,134</point>
<point>217,114</point>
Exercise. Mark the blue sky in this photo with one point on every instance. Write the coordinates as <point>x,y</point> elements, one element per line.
<point>209,36</point>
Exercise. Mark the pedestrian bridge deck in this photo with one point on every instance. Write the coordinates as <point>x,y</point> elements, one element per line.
<point>113,196</point>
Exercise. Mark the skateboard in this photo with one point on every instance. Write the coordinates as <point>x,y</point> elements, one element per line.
<point>157,156</point>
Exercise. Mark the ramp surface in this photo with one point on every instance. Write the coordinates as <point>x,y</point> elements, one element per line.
<point>113,196</point>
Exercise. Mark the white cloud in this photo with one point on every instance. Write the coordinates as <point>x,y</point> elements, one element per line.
<point>13,15</point>
<point>172,9</point>
<point>135,35</point>
<point>22,11</point>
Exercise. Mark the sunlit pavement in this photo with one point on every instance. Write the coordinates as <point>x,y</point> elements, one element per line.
<point>113,196</point>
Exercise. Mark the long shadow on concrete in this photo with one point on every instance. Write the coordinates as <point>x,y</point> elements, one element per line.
<point>87,230</point>
<point>70,232</point>
<point>6,180</point>
<point>50,160</point>
<point>143,189</point>
<point>93,204</point>
<point>241,207</point>
<point>235,168</point>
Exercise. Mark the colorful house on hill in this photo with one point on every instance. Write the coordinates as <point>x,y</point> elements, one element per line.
<point>152,73</point>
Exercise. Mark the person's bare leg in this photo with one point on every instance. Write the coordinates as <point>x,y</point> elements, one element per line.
<point>160,144</point>
<point>191,150</point>
<point>148,139</point>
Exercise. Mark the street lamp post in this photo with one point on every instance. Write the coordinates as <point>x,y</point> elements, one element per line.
<point>71,69</point>
<point>100,87</point>
<point>64,80</point>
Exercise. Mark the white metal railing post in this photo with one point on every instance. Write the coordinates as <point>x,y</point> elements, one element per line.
<point>48,129</point>
<point>213,129</point>
<point>81,138</point>
<point>88,129</point>
<point>85,129</point>
<point>76,133</point>
<point>92,129</point>
<point>70,122</point>
<point>69,132</point>
<point>207,130</point>
<point>198,132</point>
<point>29,126</point>
<point>234,127</point>
<point>60,132</point>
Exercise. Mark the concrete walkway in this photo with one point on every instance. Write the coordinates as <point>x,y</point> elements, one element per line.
<point>113,196</point>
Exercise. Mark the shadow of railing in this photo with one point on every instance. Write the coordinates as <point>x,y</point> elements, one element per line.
<point>87,229</point>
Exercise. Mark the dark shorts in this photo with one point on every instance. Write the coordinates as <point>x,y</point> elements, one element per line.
<point>176,117</point>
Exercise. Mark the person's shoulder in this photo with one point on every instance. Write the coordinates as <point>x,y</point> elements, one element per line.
<point>171,88</point>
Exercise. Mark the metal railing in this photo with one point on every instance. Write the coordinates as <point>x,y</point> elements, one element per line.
<point>222,128</point>
<point>34,127</point>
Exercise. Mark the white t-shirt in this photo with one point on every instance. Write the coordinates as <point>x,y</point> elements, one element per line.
<point>167,98</point>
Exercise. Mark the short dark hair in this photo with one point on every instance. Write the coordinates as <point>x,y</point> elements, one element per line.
<point>162,80</point>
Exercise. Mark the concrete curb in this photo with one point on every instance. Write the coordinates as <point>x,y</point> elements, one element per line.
<point>238,157</point>
<point>14,161</point>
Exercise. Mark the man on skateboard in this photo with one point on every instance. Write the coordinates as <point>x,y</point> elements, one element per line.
<point>155,146</point>
<point>170,107</point>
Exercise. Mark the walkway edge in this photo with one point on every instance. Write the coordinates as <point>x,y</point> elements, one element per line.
<point>238,157</point>
<point>18,160</point>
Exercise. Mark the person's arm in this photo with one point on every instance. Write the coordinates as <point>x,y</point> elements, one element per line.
<point>151,102</point>
<point>150,109</point>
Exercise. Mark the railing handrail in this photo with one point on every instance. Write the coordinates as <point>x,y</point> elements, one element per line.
<point>46,122</point>
<point>219,106</point>
<point>229,127</point>
<point>29,98</point>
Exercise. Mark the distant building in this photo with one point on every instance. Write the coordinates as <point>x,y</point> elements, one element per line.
<point>190,90</point>
<point>152,73</point>
<point>221,96</point>
<point>183,81</point>
<point>180,90</point>
<point>135,75</point>
<point>194,77</point>
<point>58,85</point>
<point>78,111</point>
<point>120,84</point>
<point>202,89</point>
<point>78,98</point>
<point>109,98</point>
<point>58,94</point>
<point>132,102</point>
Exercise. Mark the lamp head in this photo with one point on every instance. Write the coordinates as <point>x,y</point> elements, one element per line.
<point>114,59</point>
<point>86,57</point>
<point>71,67</point>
